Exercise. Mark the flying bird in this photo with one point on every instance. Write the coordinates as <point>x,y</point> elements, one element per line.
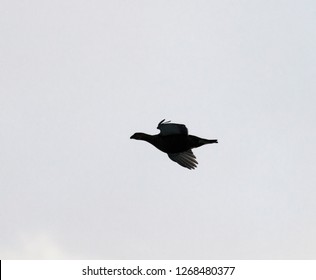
<point>174,140</point>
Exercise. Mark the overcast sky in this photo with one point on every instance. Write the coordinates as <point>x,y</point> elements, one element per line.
<point>78,78</point>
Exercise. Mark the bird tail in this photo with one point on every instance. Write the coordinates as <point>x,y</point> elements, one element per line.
<point>206,141</point>
<point>211,141</point>
<point>197,141</point>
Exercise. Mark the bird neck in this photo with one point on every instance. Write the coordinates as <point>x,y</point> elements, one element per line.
<point>152,139</point>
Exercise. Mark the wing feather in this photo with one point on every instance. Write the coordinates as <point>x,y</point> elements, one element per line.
<point>167,128</point>
<point>186,159</point>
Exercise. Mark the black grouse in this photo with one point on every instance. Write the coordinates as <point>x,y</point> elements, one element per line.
<point>174,140</point>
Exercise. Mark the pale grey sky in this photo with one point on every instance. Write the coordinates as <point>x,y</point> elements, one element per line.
<point>78,78</point>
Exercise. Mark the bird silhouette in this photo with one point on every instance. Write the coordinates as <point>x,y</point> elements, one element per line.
<point>174,140</point>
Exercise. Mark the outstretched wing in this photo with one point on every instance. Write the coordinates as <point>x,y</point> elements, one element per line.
<point>167,128</point>
<point>186,159</point>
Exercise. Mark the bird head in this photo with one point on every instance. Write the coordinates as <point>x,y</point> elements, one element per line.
<point>137,136</point>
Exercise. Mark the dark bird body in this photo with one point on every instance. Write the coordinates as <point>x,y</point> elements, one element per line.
<point>174,140</point>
